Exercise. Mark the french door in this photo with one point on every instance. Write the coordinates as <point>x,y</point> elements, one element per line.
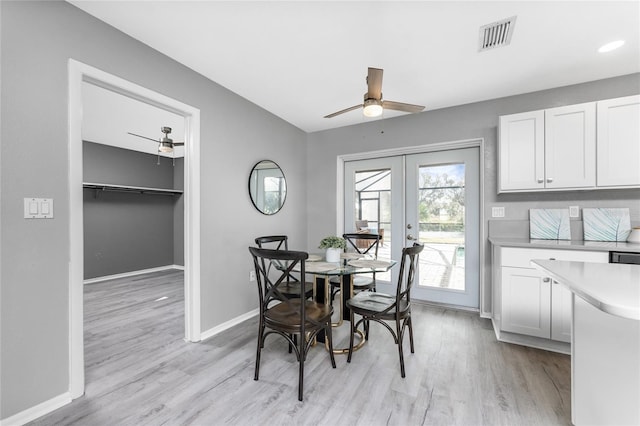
<point>430,198</point>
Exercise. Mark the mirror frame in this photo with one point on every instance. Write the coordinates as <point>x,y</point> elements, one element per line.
<point>253,175</point>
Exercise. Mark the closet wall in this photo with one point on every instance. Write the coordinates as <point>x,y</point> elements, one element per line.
<point>129,231</point>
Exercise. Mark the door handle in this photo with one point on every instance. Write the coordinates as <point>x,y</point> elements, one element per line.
<point>410,237</point>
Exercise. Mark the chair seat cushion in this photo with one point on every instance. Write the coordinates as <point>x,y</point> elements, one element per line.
<point>367,302</point>
<point>286,315</point>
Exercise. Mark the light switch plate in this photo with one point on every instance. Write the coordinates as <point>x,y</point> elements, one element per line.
<point>38,208</point>
<point>574,211</point>
<point>497,211</point>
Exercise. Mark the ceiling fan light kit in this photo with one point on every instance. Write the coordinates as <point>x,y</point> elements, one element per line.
<point>165,147</point>
<point>373,105</point>
<point>372,108</point>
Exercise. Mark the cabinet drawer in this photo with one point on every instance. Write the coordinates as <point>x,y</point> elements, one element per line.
<point>521,257</point>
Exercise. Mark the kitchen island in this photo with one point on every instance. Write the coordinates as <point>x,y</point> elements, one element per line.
<point>605,340</point>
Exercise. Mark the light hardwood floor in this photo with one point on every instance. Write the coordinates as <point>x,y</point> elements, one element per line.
<point>139,371</point>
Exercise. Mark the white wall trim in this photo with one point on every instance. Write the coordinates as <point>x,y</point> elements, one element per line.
<point>226,325</point>
<point>440,146</point>
<point>420,149</point>
<point>79,73</point>
<point>132,273</point>
<point>36,411</point>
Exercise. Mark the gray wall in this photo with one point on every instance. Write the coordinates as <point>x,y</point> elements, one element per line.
<point>37,39</point>
<point>472,121</point>
<point>178,214</point>
<point>128,231</point>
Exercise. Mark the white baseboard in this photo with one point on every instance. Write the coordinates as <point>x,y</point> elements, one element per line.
<point>133,273</point>
<point>224,326</point>
<point>37,411</point>
<point>486,314</point>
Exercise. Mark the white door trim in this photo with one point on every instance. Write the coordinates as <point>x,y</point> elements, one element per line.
<point>79,73</point>
<point>441,146</point>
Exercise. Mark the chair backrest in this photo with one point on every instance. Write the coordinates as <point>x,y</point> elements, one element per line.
<point>363,243</point>
<point>274,242</point>
<point>277,242</point>
<point>268,284</point>
<point>361,224</point>
<point>408,268</point>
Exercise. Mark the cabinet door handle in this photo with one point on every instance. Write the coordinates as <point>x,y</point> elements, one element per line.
<point>540,180</point>
<point>549,180</point>
<point>546,279</point>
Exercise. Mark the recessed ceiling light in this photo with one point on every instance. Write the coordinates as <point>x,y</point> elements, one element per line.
<point>611,46</point>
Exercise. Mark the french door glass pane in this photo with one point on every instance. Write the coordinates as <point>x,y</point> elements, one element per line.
<point>373,204</point>
<point>441,225</point>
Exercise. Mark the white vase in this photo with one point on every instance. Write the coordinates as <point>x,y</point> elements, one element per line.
<point>333,254</point>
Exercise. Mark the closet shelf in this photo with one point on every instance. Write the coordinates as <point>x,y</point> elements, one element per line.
<point>128,188</point>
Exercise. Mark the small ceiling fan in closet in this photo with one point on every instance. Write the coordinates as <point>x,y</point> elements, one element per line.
<point>165,143</point>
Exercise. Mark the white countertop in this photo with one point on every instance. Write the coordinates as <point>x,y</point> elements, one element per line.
<point>611,287</point>
<point>566,244</point>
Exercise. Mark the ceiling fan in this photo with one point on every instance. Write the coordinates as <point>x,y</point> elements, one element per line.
<point>165,143</point>
<point>373,104</point>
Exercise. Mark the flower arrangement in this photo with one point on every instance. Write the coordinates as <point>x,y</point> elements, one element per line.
<point>333,242</point>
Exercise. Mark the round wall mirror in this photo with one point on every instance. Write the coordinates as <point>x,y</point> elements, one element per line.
<point>267,187</point>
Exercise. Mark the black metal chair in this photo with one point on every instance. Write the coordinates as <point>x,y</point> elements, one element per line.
<point>291,288</point>
<point>285,316</point>
<point>381,307</point>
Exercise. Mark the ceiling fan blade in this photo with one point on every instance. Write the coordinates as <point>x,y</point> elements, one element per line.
<point>178,144</point>
<point>399,106</point>
<point>143,137</point>
<point>374,82</point>
<point>343,111</point>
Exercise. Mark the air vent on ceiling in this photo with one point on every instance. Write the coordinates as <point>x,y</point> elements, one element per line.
<point>496,34</point>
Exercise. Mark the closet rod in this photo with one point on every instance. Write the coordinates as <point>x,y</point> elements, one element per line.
<point>128,188</point>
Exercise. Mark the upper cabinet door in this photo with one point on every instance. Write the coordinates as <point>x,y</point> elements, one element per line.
<point>521,151</point>
<point>570,146</point>
<point>618,160</point>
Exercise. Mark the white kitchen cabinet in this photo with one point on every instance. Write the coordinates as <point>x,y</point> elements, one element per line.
<point>570,147</point>
<point>530,302</point>
<point>618,153</point>
<point>549,149</point>
<point>526,305</point>
<point>585,146</point>
<point>521,151</point>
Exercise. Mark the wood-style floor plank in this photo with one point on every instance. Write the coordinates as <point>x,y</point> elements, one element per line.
<point>140,371</point>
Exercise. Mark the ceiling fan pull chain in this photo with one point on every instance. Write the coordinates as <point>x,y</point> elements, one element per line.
<point>158,163</point>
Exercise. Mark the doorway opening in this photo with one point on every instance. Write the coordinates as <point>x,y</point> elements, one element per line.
<point>80,73</point>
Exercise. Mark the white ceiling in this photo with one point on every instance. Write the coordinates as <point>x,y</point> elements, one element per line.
<point>302,60</point>
<point>108,117</point>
